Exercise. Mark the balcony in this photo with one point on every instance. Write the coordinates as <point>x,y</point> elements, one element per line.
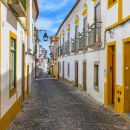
<point>67,48</point>
<point>74,44</point>
<point>19,6</point>
<point>83,43</point>
<point>94,35</point>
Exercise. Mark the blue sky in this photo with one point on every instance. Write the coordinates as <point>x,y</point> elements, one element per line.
<point>52,13</point>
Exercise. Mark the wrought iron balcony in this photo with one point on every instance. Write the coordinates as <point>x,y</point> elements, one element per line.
<point>83,43</point>
<point>67,47</point>
<point>94,35</point>
<point>74,44</point>
<point>19,6</point>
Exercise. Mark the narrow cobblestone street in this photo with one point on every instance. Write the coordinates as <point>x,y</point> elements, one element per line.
<point>55,106</point>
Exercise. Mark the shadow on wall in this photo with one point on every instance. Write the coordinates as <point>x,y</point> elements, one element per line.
<point>11,19</point>
<point>11,101</point>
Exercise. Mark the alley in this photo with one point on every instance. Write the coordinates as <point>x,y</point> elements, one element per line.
<point>56,106</point>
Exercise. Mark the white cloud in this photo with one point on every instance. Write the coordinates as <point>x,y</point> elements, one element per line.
<point>51,5</point>
<point>48,24</point>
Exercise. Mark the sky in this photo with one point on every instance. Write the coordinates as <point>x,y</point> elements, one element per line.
<point>51,15</point>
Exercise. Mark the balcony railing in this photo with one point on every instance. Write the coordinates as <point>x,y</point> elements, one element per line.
<point>94,35</point>
<point>83,41</point>
<point>74,44</point>
<point>67,47</point>
<point>19,6</point>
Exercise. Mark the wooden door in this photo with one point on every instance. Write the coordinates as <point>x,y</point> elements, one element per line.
<point>28,80</point>
<point>76,74</point>
<point>113,74</point>
<point>23,71</point>
<point>63,71</point>
<point>58,69</point>
<point>84,75</point>
<point>127,77</point>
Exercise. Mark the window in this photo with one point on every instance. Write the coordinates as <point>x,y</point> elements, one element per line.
<point>96,76</point>
<point>68,36</point>
<point>76,30</point>
<point>68,70</point>
<point>97,36</point>
<point>85,24</point>
<point>12,64</point>
<point>111,3</point>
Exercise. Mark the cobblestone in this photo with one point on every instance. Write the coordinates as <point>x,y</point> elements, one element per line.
<point>55,106</point>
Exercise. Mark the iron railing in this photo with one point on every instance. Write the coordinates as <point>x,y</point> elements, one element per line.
<point>83,40</point>
<point>94,34</point>
<point>73,45</point>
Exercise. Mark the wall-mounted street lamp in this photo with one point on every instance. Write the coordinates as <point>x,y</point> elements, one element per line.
<point>45,36</point>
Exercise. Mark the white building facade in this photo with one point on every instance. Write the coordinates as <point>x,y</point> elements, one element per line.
<point>15,73</point>
<point>91,51</point>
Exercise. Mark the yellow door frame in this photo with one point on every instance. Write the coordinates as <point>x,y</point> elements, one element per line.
<point>126,40</point>
<point>108,90</point>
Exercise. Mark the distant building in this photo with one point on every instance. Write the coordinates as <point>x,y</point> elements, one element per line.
<point>53,57</point>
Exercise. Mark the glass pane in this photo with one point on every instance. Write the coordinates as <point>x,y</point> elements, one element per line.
<point>12,63</point>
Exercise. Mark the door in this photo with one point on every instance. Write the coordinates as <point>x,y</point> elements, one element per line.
<point>28,80</point>
<point>84,76</point>
<point>127,77</point>
<point>63,71</point>
<point>58,69</point>
<point>76,74</point>
<point>23,71</point>
<point>111,74</point>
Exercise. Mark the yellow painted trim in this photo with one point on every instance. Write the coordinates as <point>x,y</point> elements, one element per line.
<point>68,28</point>
<point>111,43</point>
<point>94,1</point>
<point>123,68</point>
<point>112,26</point>
<point>84,13</point>
<point>10,114</point>
<point>63,33</point>
<point>111,5</point>
<point>0,52</point>
<point>119,11</point>
<point>120,19</point>
<point>76,20</point>
<point>13,91</point>
<point>106,86</point>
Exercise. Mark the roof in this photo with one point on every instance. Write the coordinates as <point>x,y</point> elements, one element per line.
<point>75,5</point>
<point>37,8</point>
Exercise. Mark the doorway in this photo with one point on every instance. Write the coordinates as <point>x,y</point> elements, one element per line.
<point>111,73</point>
<point>58,70</point>
<point>127,77</point>
<point>63,71</point>
<point>23,71</point>
<point>76,74</point>
<point>28,80</point>
<point>84,76</point>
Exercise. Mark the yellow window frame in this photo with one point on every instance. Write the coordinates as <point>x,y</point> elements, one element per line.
<point>13,36</point>
<point>111,3</point>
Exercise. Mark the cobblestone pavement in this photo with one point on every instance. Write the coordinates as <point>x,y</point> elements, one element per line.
<point>55,106</point>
